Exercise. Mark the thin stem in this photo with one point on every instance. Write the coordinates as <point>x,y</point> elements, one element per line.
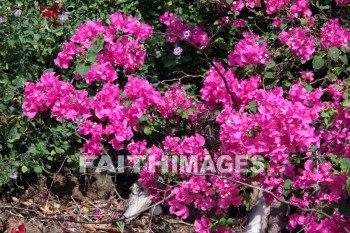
<point>62,219</point>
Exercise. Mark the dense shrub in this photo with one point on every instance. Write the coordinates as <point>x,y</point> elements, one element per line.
<point>249,78</point>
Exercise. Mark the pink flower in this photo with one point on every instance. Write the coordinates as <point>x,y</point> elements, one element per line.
<point>253,3</point>
<point>272,6</point>
<point>334,35</point>
<point>66,55</point>
<point>300,6</point>
<point>299,43</point>
<point>101,72</point>
<point>194,35</point>
<point>238,23</point>
<point>342,2</point>
<point>249,51</point>
<point>202,225</point>
<point>178,209</point>
<point>87,32</point>
<point>307,75</point>
<point>277,22</point>
<point>224,20</point>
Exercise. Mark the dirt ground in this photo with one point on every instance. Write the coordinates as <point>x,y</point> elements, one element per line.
<point>64,203</point>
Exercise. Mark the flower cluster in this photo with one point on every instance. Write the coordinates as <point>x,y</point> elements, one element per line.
<point>334,35</point>
<point>124,50</point>
<point>342,2</point>
<point>307,75</point>
<point>309,221</point>
<point>337,137</point>
<point>67,54</point>
<point>214,91</point>
<point>175,26</point>
<point>273,6</point>
<point>51,12</point>
<point>246,118</point>
<point>299,43</point>
<point>249,51</point>
<point>300,7</point>
<point>201,193</point>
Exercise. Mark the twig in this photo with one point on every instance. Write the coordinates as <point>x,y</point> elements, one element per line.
<point>179,222</point>
<point>53,179</point>
<point>61,219</point>
<point>185,75</point>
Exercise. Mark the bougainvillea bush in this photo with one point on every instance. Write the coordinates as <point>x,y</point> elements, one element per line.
<point>31,35</point>
<point>267,78</point>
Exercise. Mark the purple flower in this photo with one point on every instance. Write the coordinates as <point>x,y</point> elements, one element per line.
<point>187,34</point>
<point>14,176</point>
<point>178,51</point>
<point>63,18</point>
<point>2,20</point>
<point>17,12</point>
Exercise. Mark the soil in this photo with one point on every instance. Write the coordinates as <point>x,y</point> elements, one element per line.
<point>54,204</point>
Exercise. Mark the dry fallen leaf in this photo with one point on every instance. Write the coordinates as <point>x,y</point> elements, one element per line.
<point>90,227</point>
<point>84,209</point>
<point>27,203</point>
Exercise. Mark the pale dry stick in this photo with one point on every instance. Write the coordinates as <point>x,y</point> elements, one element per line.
<point>150,221</point>
<point>277,198</point>
<point>80,213</point>
<point>179,222</point>
<point>178,79</point>
<point>114,188</point>
<point>123,219</point>
<point>53,178</point>
<point>15,214</point>
<point>76,204</point>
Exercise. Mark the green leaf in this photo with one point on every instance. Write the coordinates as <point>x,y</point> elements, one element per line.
<point>344,59</point>
<point>213,226</point>
<point>38,170</point>
<point>170,63</point>
<point>308,87</point>
<point>332,77</point>
<point>147,131</point>
<point>268,75</point>
<point>286,187</point>
<point>252,107</point>
<point>269,80</point>
<point>121,226</point>
<point>303,21</point>
<point>346,103</point>
<point>318,62</point>
<point>127,103</point>
<point>144,118</point>
<point>91,56</point>
<point>82,69</point>
<point>333,53</point>
<point>328,116</point>
<point>24,169</point>
<point>270,64</point>
<point>18,82</point>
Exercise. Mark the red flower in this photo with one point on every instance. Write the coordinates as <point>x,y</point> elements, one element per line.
<point>51,12</point>
<point>20,229</point>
